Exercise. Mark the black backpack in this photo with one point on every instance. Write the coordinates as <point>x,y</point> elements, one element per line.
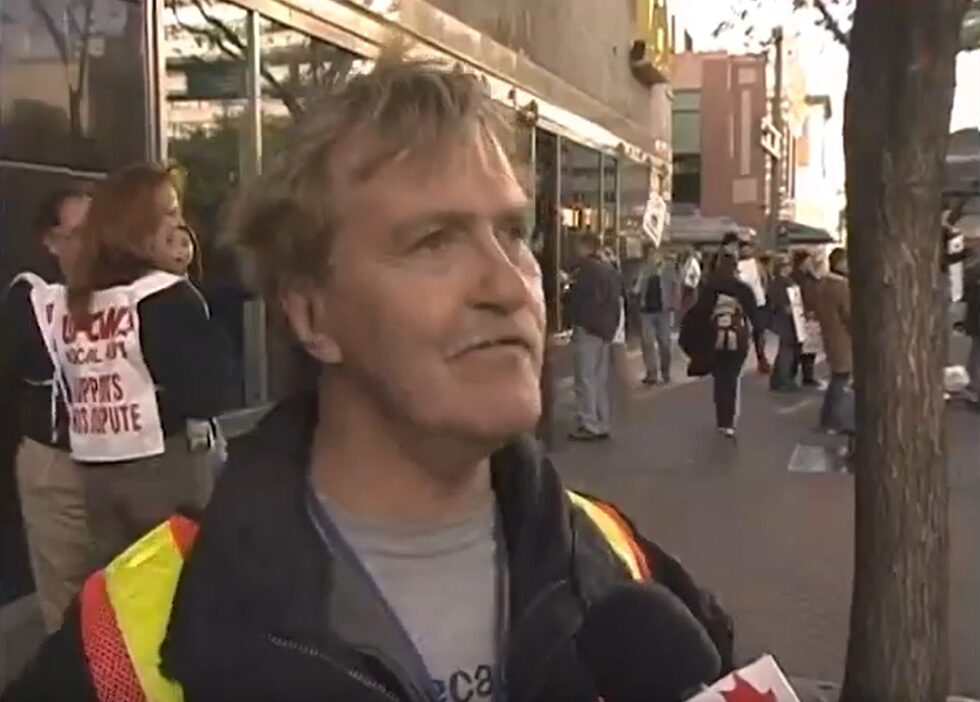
<point>727,320</point>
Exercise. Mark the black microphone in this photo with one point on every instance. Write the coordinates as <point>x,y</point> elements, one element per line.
<point>642,644</point>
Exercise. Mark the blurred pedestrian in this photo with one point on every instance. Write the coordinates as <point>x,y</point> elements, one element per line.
<point>733,313</point>
<point>805,276</point>
<point>785,305</point>
<point>595,310</point>
<point>755,275</point>
<point>834,310</point>
<point>690,272</point>
<point>179,252</point>
<point>971,322</point>
<point>658,290</point>
<point>620,377</point>
<point>140,358</point>
<point>34,419</point>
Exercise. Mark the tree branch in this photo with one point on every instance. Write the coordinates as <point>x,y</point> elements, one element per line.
<point>56,36</point>
<point>84,34</point>
<point>831,23</point>
<point>278,89</point>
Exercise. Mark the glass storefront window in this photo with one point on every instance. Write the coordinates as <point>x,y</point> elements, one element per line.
<point>610,177</point>
<point>580,202</point>
<point>73,76</point>
<point>209,144</point>
<point>295,69</point>
<point>72,99</point>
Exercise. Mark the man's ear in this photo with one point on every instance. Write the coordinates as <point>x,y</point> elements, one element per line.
<point>307,316</point>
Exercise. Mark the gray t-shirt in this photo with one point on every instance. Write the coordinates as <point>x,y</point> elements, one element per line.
<point>441,582</point>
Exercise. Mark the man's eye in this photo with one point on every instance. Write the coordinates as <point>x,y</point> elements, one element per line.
<point>436,239</point>
<point>518,233</point>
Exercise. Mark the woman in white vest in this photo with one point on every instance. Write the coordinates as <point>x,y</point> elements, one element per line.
<point>33,420</point>
<point>139,358</point>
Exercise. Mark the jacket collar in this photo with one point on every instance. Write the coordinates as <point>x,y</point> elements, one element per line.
<point>259,566</point>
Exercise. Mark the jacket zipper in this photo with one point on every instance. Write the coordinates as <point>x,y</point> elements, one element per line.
<point>355,675</point>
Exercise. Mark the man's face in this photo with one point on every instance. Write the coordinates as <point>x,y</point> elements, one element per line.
<point>63,240</point>
<point>434,305</point>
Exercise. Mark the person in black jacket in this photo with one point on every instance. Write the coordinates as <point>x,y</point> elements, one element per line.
<point>595,307</point>
<point>729,305</point>
<point>133,394</point>
<point>48,488</point>
<point>394,534</point>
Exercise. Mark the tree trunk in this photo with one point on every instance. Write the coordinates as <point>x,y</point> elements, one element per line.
<point>899,98</point>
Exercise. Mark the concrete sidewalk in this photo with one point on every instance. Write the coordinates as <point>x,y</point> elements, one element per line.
<point>776,546</point>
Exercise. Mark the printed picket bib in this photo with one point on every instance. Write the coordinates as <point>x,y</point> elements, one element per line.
<point>112,401</point>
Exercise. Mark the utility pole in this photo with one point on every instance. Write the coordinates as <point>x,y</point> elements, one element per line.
<point>779,124</point>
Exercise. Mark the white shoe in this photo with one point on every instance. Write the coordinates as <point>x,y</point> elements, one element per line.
<point>727,431</point>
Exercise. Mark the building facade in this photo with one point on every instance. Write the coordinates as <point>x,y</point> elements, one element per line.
<point>734,154</point>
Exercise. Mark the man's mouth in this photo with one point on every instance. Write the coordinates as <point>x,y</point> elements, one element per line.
<point>502,342</point>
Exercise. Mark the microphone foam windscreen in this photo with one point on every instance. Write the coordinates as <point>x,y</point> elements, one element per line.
<point>642,644</point>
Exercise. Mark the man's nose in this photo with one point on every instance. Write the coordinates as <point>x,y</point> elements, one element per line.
<point>501,282</point>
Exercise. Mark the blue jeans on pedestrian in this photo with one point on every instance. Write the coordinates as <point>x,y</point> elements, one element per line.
<point>837,412</point>
<point>592,357</point>
<point>656,342</point>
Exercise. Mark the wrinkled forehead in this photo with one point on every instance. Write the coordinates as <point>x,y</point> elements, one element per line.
<point>468,168</point>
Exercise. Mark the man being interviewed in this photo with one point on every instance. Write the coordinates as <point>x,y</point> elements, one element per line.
<point>391,535</point>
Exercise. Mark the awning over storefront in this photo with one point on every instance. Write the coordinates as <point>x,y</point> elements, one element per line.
<point>798,234</point>
<point>698,230</point>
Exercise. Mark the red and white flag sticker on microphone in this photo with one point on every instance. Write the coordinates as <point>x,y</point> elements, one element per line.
<point>762,681</point>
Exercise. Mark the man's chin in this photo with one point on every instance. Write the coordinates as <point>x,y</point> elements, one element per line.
<point>496,428</point>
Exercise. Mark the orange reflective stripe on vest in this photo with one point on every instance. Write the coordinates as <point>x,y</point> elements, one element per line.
<point>124,614</point>
<point>617,533</point>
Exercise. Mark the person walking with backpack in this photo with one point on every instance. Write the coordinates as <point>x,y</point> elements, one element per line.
<point>730,308</point>
<point>657,289</point>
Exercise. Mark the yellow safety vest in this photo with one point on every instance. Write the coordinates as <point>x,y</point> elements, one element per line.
<point>126,607</point>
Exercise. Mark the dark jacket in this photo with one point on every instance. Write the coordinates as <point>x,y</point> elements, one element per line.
<point>595,301</point>
<point>971,320</point>
<point>781,310</point>
<point>26,375</point>
<point>266,605</point>
<point>835,322</point>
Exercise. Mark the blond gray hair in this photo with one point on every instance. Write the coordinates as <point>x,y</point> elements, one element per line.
<point>284,223</point>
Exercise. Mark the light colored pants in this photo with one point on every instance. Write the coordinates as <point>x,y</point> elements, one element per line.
<point>52,497</point>
<point>126,500</point>
<point>656,341</point>
<point>592,358</point>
